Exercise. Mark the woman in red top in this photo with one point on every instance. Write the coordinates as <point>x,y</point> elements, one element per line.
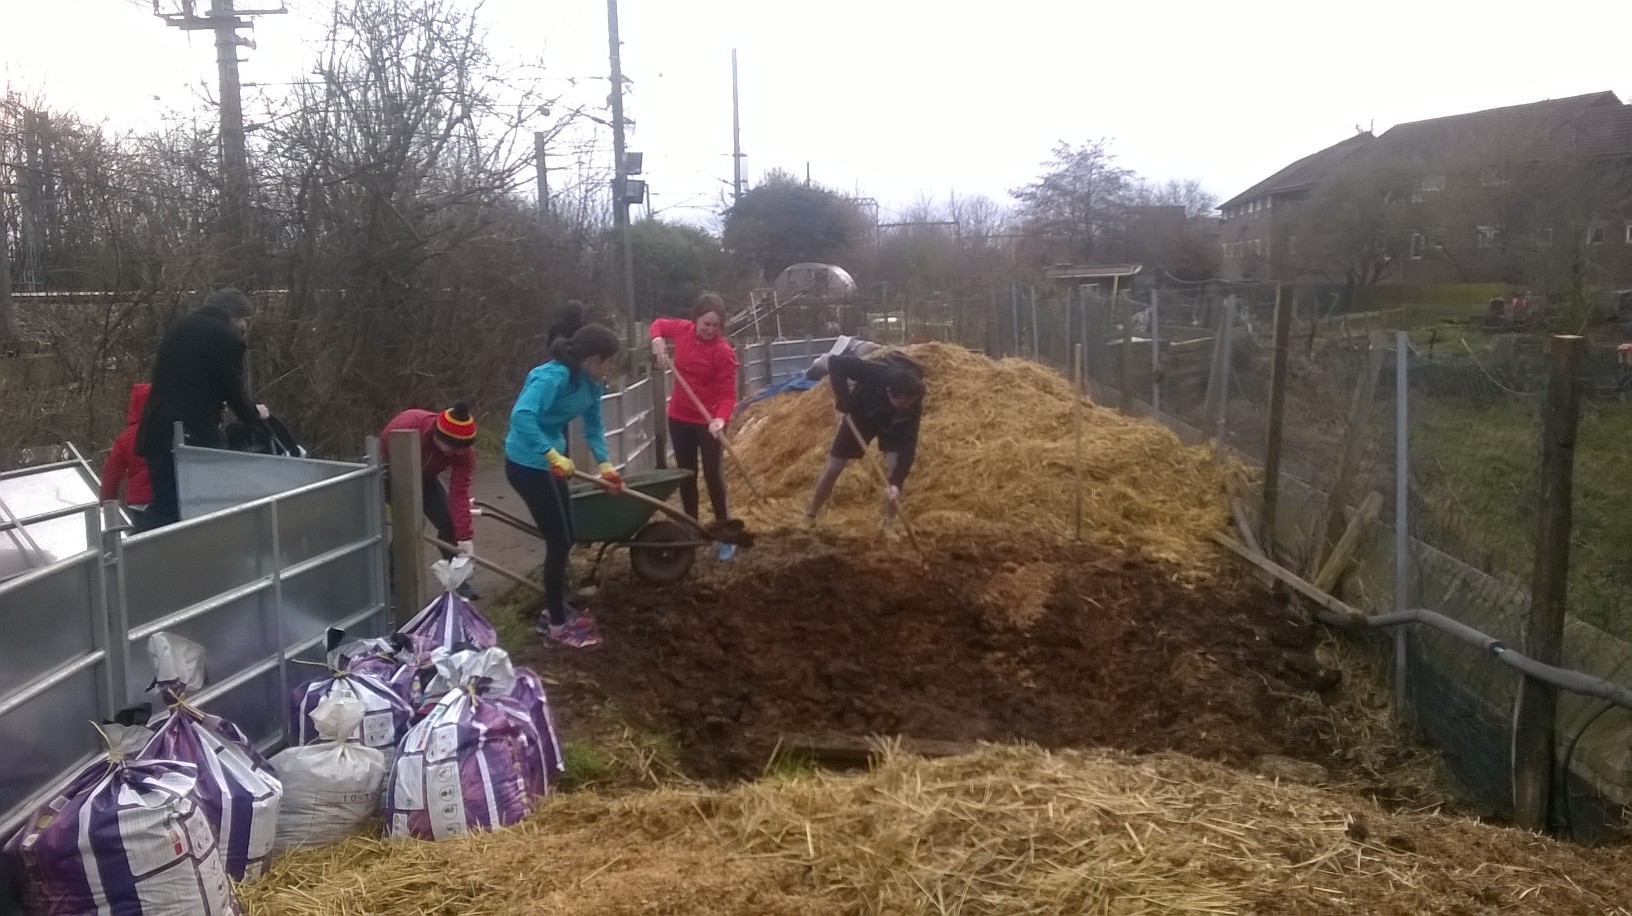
<point>706,361</point>
<point>445,444</point>
<point>124,468</point>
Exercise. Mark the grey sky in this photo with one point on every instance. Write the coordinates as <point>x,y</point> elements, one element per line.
<point>897,98</point>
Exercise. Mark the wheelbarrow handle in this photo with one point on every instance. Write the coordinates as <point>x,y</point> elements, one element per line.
<point>655,503</point>
<point>515,577</point>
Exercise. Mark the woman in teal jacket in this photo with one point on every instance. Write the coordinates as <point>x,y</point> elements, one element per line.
<point>537,467</point>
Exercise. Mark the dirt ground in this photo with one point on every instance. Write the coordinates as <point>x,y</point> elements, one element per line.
<point>808,635</point>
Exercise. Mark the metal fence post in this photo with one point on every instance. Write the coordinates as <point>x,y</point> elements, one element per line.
<point>1535,720</point>
<point>1402,501</point>
<point>657,381</point>
<point>1036,351</point>
<point>275,546</point>
<point>379,590</point>
<point>109,615</point>
<point>1225,331</point>
<point>1155,354</point>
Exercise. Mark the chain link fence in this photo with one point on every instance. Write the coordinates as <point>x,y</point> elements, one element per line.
<point>1203,360</point>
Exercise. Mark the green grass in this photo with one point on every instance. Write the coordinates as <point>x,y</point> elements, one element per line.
<point>791,765</point>
<point>1477,473</point>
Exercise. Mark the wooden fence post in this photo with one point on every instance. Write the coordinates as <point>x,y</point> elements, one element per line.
<point>1277,419</point>
<point>407,515</point>
<point>1534,722</point>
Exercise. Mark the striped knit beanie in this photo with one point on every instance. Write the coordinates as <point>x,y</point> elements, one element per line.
<point>457,425</point>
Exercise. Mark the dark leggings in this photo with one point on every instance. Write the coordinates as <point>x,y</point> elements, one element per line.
<point>688,440</point>
<point>550,503</point>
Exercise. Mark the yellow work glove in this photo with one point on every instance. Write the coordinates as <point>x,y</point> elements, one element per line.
<point>610,478</point>
<point>560,465</point>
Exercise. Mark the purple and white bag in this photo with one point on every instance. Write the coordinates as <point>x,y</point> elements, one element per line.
<point>385,712</point>
<point>376,657</point>
<point>236,788</point>
<point>449,619</point>
<point>476,762</point>
<point>528,696</point>
<point>330,788</point>
<point>126,837</point>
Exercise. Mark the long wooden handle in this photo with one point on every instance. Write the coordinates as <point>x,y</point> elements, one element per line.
<point>883,476</point>
<point>655,503</point>
<point>724,440</point>
<point>486,564</point>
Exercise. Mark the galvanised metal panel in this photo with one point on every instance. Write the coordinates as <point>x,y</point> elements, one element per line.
<point>316,521</point>
<point>236,634</point>
<point>46,739</point>
<point>325,595</point>
<point>50,619</point>
<point>211,479</point>
<point>181,565</point>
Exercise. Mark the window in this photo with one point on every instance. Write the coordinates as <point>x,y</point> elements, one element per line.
<point>1544,236</point>
<point>1416,246</point>
<point>1595,235</point>
<point>1487,236</point>
<point>1426,185</point>
<point>1629,233</point>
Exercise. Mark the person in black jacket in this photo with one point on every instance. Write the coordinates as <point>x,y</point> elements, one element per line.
<point>885,399</point>
<point>199,367</point>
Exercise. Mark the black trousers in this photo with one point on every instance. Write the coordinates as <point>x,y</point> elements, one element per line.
<point>689,441</point>
<point>434,500</point>
<point>165,508</point>
<point>550,503</point>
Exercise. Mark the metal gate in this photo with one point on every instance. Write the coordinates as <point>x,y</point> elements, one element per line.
<point>272,552</point>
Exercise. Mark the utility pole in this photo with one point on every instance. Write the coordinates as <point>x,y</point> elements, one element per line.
<point>736,136</point>
<point>620,181</point>
<point>225,21</point>
<point>543,176</point>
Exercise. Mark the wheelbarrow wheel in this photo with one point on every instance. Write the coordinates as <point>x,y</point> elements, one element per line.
<point>656,563</point>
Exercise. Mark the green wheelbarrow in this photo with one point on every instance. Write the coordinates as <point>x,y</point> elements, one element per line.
<point>661,551</point>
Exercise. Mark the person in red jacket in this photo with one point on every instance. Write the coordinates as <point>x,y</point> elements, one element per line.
<point>445,441</point>
<point>704,359</point>
<point>124,468</point>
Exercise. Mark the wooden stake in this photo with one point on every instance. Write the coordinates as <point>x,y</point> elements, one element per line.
<point>1332,570</point>
<point>1535,720</point>
<point>407,515</point>
<point>1277,417</point>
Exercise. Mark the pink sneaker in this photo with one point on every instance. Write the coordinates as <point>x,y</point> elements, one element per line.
<point>577,633</point>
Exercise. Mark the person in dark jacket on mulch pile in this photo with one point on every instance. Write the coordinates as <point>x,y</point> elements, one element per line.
<point>445,441</point>
<point>885,399</point>
<point>199,367</point>
<point>125,470</point>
